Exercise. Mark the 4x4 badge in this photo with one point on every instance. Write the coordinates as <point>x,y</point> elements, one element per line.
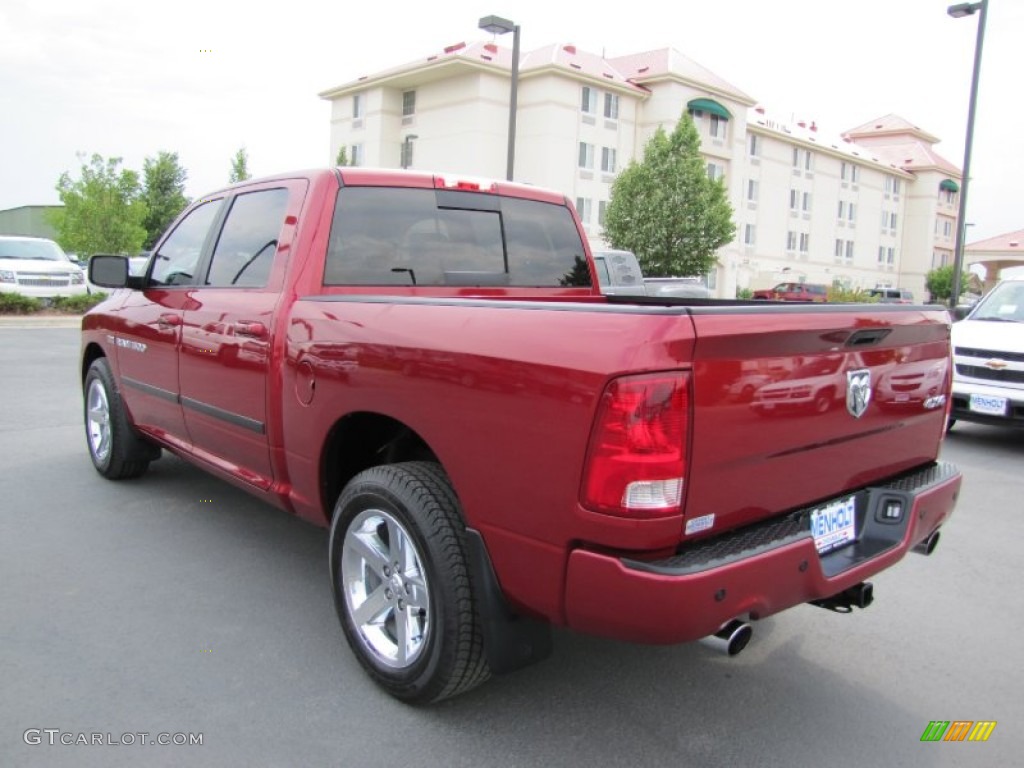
<point>858,392</point>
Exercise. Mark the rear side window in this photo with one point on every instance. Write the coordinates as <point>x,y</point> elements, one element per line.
<point>247,244</point>
<point>389,236</point>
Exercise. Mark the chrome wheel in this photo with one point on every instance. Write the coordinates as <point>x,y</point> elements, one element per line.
<point>385,587</point>
<point>98,420</point>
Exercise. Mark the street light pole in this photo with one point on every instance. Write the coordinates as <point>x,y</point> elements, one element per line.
<point>957,12</point>
<point>499,26</point>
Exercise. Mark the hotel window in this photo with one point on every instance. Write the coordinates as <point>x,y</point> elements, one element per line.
<point>611,106</point>
<point>839,249</point>
<point>608,159</point>
<point>794,200</point>
<point>716,171</point>
<point>890,256</point>
<point>842,210</point>
<point>881,254</point>
<point>408,103</point>
<point>796,157</point>
<point>852,211</point>
<point>849,250</point>
<point>752,190</point>
<point>808,160</point>
<point>807,202</point>
<point>588,100</point>
<point>356,154</point>
<point>718,126</point>
<point>602,211</point>
<point>791,240</point>
<point>892,221</point>
<point>850,172</point>
<point>583,209</point>
<point>749,234</point>
<point>753,145</point>
<point>805,242</point>
<point>357,106</point>
<point>586,155</point>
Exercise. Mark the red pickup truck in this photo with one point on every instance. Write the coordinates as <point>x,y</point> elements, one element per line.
<point>426,366</point>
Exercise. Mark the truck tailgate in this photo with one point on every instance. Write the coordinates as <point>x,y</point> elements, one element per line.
<point>794,405</point>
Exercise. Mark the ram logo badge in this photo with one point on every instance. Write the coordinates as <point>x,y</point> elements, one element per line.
<point>858,392</point>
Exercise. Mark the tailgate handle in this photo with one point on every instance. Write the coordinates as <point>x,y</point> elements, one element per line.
<point>868,337</point>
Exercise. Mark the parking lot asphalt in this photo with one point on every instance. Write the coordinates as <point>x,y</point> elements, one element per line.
<point>176,604</point>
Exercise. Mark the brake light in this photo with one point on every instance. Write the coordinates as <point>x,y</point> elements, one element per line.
<point>467,184</point>
<point>636,461</point>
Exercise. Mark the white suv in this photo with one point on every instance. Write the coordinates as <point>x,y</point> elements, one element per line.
<point>37,267</point>
<point>988,359</point>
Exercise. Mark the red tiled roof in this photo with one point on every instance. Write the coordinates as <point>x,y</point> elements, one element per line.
<point>1012,242</point>
<point>892,125</point>
<point>650,65</point>
<point>914,155</point>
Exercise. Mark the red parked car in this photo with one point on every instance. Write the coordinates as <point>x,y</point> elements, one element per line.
<point>794,292</point>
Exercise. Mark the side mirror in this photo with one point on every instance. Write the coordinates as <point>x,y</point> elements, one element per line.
<point>108,271</point>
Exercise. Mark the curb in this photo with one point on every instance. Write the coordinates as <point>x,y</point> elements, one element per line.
<point>40,321</point>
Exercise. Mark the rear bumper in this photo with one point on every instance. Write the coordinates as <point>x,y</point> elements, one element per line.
<point>756,571</point>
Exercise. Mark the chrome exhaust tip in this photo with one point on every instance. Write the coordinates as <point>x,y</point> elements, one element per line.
<point>732,638</point>
<point>927,546</point>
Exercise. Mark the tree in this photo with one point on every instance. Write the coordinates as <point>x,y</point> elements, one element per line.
<point>239,166</point>
<point>164,193</point>
<point>342,156</point>
<point>665,208</point>
<point>103,210</point>
<point>939,283</point>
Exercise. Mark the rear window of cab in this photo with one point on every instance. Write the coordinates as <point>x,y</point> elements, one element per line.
<point>427,237</point>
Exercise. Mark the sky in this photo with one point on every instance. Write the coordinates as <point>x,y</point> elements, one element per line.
<point>203,79</point>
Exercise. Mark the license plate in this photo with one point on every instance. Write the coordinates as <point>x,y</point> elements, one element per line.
<point>834,525</point>
<point>993,406</point>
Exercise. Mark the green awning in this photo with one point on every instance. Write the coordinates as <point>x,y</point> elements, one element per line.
<point>709,105</point>
<point>949,185</point>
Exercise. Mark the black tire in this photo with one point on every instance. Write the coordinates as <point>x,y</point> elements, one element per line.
<point>410,509</point>
<point>116,449</point>
<point>949,424</point>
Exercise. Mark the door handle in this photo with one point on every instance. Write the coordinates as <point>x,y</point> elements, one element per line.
<point>168,320</point>
<point>254,329</point>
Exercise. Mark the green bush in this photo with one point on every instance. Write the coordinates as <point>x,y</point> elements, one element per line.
<point>76,305</point>
<point>16,304</point>
<point>842,295</point>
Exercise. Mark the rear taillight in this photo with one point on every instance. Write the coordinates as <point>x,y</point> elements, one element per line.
<point>636,461</point>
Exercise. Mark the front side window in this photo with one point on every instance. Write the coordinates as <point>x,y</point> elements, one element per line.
<point>425,237</point>
<point>175,261</point>
<point>248,241</point>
